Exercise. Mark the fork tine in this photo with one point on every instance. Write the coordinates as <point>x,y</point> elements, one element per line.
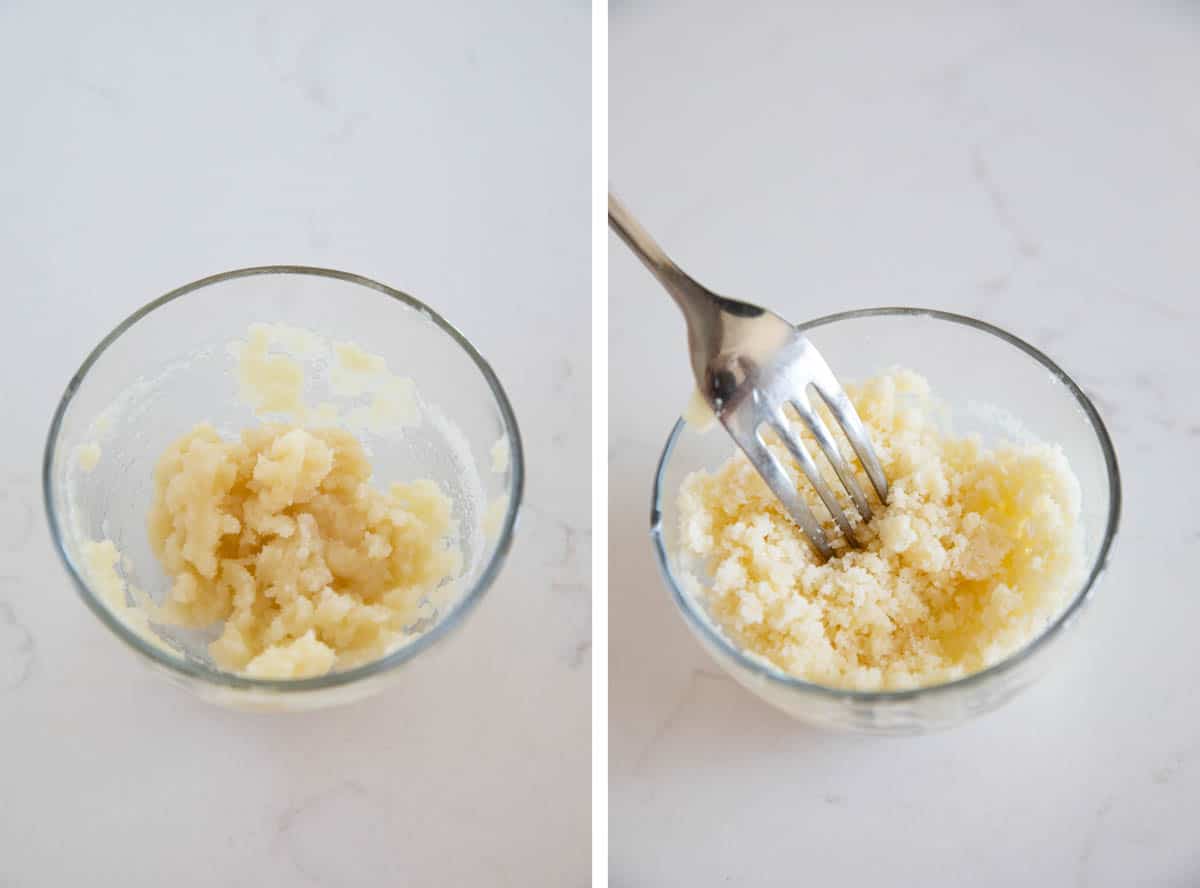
<point>847,417</point>
<point>809,466</point>
<point>843,411</point>
<point>780,484</point>
<point>829,447</point>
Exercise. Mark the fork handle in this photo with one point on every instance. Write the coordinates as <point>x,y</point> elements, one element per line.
<point>688,294</point>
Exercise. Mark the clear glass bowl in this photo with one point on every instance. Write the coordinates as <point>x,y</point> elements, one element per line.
<point>167,367</point>
<point>996,386</point>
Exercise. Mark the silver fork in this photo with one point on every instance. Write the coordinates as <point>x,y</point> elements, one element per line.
<point>749,365</point>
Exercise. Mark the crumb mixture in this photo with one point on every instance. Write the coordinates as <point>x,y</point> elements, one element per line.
<point>976,549</point>
<point>280,537</point>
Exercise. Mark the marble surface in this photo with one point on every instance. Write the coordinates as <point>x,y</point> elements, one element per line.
<point>446,153</point>
<point>1036,165</point>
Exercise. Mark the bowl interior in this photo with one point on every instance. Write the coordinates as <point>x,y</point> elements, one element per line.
<point>171,368</point>
<point>994,386</point>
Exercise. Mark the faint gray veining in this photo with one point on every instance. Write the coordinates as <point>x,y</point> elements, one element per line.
<point>16,514</point>
<point>996,284</point>
<point>572,539</point>
<point>16,650</point>
<point>981,173</point>
<point>304,70</point>
<point>351,121</point>
<point>578,595</point>
<point>949,85</point>
<point>582,652</point>
<point>567,566</point>
<point>1140,402</point>
<point>111,98</point>
<point>1090,842</point>
<point>305,828</point>
<point>1176,762</point>
<point>1175,313</point>
<point>561,371</point>
<point>686,697</point>
<point>1162,776</point>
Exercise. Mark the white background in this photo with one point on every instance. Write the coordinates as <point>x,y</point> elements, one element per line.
<point>442,148</point>
<point>1036,165</point>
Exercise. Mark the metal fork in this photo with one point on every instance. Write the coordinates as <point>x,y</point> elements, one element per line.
<point>749,365</point>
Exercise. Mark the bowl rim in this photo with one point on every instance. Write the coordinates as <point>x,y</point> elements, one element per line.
<point>194,669</point>
<point>765,670</point>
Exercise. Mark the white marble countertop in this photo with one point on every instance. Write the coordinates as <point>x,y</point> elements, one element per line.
<point>1036,165</point>
<point>445,153</point>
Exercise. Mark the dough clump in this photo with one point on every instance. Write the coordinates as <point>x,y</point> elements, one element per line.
<point>280,537</point>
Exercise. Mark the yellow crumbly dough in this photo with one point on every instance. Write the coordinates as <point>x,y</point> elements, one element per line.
<point>501,454</point>
<point>493,516</point>
<point>268,381</point>
<point>100,561</point>
<point>974,552</point>
<point>89,456</point>
<point>271,379</point>
<point>280,537</point>
<point>698,413</point>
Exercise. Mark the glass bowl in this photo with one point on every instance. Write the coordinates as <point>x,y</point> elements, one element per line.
<point>168,367</point>
<point>996,386</point>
